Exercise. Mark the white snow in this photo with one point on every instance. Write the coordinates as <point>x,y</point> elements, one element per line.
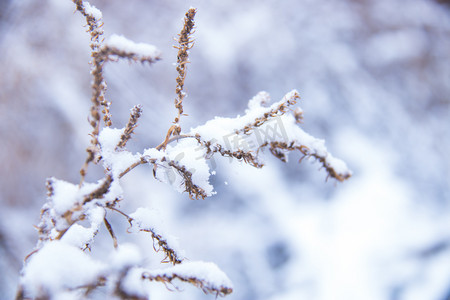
<point>65,196</point>
<point>127,255</point>
<point>109,138</point>
<point>80,236</point>
<point>121,43</point>
<point>152,153</point>
<point>134,285</point>
<point>117,160</point>
<point>92,10</point>
<point>59,266</point>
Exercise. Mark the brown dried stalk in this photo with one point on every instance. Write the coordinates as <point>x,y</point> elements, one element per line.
<point>247,157</point>
<point>276,148</point>
<point>131,125</point>
<point>171,255</point>
<point>100,191</point>
<point>185,43</point>
<point>98,86</point>
<point>205,286</point>
<point>192,189</point>
<point>111,232</point>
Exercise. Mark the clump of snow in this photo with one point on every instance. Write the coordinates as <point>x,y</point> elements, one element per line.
<point>80,236</point>
<point>126,255</point>
<point>65,195</point>
<point>146,218</point>
<point>133,284</point>
<point>116,160</point>
<point>109,138</point>
<point>92,10</point>
<point>59,266</point>
<point>261,99</point>
<point>153,153</point>
<point>338,165</point>
<point>121,43</point>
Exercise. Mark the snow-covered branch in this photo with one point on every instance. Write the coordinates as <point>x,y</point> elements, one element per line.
<point>206,276</point>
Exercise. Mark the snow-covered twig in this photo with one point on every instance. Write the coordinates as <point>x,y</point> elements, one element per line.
<point>206,276</point>
<point>121,47</point>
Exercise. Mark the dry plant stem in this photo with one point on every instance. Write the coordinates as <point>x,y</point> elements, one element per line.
<point>247,157</point>
<point>20,293</point>
<point>129,219</point>
<point>142,161</point>
<point>131,125</point>
<point>98,86</point>
<point>276,148</point>
<point>174,138</point>
<point>184,44</point>
<point>111,232</point>
<point>171,255</point>
<point>192,189</point>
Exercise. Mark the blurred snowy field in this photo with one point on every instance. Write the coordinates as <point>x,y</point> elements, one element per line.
<point>374,77</point>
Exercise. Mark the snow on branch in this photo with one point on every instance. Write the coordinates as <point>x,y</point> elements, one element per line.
<point>119,46</point>
<point>60,265</point>
<point>206,276</point>
<point>275,127</point>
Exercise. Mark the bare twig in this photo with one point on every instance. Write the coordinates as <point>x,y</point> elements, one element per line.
<point>111,232</point>
<point>185,43</point>
<point>131,125</point>
<point>98,85</point>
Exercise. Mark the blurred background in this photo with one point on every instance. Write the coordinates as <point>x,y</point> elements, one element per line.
<point>374,77</point>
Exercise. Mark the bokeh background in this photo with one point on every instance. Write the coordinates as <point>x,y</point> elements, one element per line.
<point>374,77</point>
